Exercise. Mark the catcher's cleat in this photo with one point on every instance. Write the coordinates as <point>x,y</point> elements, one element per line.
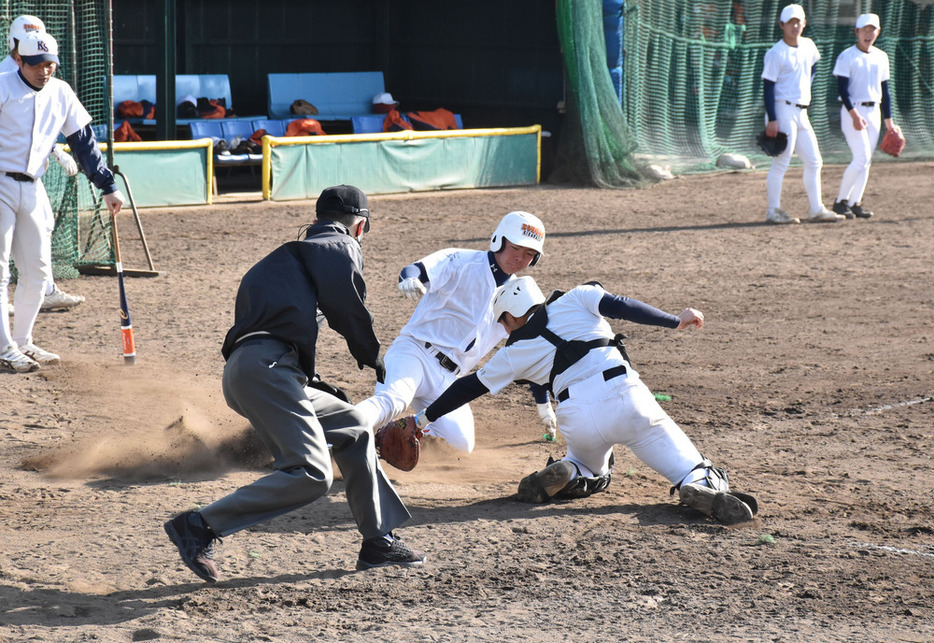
<point>379,553</point>
<point>860,212</point>
<point>543,485</point>
<point>729,508</point>
<point>195,542</point>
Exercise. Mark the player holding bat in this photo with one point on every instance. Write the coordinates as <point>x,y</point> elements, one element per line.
<point>32,96</point>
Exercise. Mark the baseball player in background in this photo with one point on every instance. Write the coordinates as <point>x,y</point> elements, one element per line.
<point>270,353</point>
<point>786,74</point>
<point>453,327</point>
<point>35,108</point>
<point>55,298</point>
<point>862,73</point>
<point>565,343</point>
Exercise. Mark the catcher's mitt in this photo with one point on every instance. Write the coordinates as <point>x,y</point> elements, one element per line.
<point>398,443</point>
<point>772,145</point>
<point>893,142</point>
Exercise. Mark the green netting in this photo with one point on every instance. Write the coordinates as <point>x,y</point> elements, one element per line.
<point>596,144</point>
<point>692,87</point>
<point>79,28</point>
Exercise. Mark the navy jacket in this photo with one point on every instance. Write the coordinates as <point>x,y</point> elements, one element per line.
<point>282,294</point>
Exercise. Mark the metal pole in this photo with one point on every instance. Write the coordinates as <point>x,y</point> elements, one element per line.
<point>108,17</point>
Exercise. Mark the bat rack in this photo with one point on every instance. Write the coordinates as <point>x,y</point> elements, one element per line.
<point>96,269</point>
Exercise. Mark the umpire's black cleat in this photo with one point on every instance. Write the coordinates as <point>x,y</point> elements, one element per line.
<point>542,486</point>
<point>379,552</point>
<point>860,212</point>
<point>195,542</point>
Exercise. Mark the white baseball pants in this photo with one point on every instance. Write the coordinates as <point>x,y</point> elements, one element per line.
<point>25,236</point>
<point>414,376</point>
<point>862,143</point>
<point>601,413</point>
<point>802,141</point>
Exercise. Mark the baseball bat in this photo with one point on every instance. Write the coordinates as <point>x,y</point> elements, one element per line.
<point>126,327</point>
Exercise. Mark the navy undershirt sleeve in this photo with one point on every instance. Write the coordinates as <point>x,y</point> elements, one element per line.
<point>616,307</point>
<point>843,88</point>
<point>416,270</point>
<point>462,391</point>
<point>769,88</point>
<point>886,100</point>
<point>84,146</point>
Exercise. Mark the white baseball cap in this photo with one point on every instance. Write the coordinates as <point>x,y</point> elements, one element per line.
<point>22,26</point>
<point>868,19</point>
<point>384,98</point>
<point>792,11</point>
<point>38,47</point>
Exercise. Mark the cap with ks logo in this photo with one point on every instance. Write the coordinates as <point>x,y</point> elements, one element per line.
<point>37,48</point>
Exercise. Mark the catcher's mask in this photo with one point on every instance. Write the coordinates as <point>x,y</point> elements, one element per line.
<point>523,229</point>
<point>517,297</point>
<point>344,199</point>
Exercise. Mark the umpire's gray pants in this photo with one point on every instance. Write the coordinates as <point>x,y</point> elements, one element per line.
<point>264,383</point>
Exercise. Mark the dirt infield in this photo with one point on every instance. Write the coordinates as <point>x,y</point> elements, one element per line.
<point>811,383</point>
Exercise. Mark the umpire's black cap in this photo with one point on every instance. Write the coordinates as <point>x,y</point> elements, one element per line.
<point>344,199</point>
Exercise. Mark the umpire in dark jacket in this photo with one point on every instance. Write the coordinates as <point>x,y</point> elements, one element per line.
<point>270,353</point>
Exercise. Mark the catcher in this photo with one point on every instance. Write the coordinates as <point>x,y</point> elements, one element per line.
<point>565,343</point>
<point>451,330</point>
<point>862,73</point>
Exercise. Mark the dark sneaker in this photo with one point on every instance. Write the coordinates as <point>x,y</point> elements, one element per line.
<point>379,553</point>
<point>860,212</point>
<point>842,207</point>
<point>542,485</point>
<point>195,542</point>
<point>724,506</point>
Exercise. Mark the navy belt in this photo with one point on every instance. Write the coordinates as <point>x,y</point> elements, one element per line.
<point>19,176</point>
<point>608,374</point>
<point>868,103</point>
<point>447,363</point>
<point>787,102</point>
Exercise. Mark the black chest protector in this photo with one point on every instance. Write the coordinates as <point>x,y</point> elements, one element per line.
<point>567,353</point>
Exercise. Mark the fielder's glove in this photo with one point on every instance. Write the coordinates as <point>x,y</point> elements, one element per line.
<point>65,160</point>
<point>772,145</point>
<point>398,443</point>
<point>412,288</point>
<point>550,420</point>
<point>893,142</point>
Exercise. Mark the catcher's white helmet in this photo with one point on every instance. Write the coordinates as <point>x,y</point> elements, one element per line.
<point>523,229</point>
<point>517,297</point>
<point>22,26</point>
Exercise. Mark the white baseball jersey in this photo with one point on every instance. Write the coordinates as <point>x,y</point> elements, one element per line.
<point>456,314</point>
<point>30,122</point>
<point>8,64</point>
<point>603,407</point>
<point>573,316</point>
<point>790,69</point>
<point>867,70</point>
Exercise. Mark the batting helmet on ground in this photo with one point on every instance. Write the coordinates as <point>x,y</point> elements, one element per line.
<point>521,228</point>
